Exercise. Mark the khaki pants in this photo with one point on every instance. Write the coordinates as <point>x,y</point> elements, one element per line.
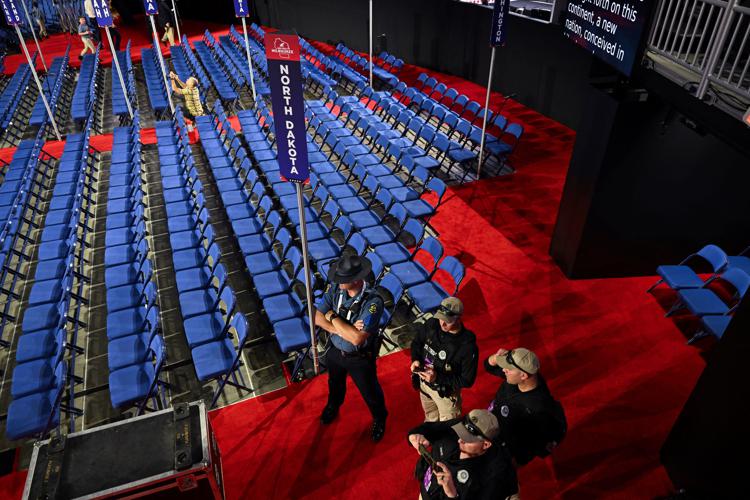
<point>437,408</point>
<point>168,35</point>
<point>88,44</point>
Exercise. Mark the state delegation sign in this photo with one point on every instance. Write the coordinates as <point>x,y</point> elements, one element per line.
<point>287,100</point>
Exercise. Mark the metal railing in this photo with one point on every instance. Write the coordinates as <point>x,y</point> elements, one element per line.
<point>711,40</point>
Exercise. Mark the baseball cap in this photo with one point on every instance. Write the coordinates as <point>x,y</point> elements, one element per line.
<point>450,309</point>
<point>519,359</point>
<point>478,425</point>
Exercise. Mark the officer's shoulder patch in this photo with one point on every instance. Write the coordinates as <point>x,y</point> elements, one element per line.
<point>373,308</point>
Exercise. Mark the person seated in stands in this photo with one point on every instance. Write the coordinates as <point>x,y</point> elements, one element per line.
<point>190,92</point>
<point>86,37</point>
<point>464,459</point>
<point>532,423</point>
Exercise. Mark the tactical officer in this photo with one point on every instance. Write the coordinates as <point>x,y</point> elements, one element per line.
<point>444,360</point>
<point>350,310</point>
<point>464,460</point>
<point>532,423</point>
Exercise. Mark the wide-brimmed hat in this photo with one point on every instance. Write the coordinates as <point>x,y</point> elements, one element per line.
<point>349,268</point>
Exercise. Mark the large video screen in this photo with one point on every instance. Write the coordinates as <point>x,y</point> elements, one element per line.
<point>538,10</point>
<point>609,29</point>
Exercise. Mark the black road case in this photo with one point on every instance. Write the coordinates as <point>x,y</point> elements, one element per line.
<point>167,454</point>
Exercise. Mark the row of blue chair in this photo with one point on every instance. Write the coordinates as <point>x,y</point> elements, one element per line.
<point>230,45</point>
<point>53,87</point>
<point>413,160</point>
<point>359,214</point>
<point>119,106</point>
<point>13,92</point>
<point>218,75</point>
<point>385,68</point>
<point>136,352</point>
<point>237,77</point>
<point>708,299</point>
<point>207,301</point>
<point>157,92</point>
<point>52,318</point>
<point>186,65</point>
<point>85,93</point>
<point>22,196</point>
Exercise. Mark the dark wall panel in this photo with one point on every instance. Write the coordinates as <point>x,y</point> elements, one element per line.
<point>660,190</point>
<point>547,72</point>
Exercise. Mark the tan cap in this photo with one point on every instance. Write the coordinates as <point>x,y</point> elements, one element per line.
<point>450,309</point>
<point>519,359</point>
<point>478,425</point>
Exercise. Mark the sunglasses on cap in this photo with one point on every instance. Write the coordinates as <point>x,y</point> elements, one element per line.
<point>473,429</point>
<point>451,316</point>
<point>511,361</point>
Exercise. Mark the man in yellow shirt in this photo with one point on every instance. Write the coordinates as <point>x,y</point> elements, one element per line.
<point>190,92</point>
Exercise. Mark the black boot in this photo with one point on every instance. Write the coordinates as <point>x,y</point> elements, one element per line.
<point>378,430</point>
<point>329,415</point>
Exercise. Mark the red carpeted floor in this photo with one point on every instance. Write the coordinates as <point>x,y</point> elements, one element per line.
<point>620,368</point>
<point>55,45</point>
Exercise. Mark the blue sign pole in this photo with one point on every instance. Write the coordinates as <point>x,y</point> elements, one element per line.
<point>497,39</point>
<point>288,104</point>
<point>152,9</point>
<point>242,11</point>
<point>104,20</point>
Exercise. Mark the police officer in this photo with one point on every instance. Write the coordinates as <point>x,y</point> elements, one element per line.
<point>351,310</point>
<point>532,422</point>
<point>444,360</point>
<point>463,460</point>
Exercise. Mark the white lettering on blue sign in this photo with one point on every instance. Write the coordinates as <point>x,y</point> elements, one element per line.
<point>290,137</point>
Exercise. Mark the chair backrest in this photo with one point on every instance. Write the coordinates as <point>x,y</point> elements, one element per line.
<point>399,213</point>
<point>332,208</point>
<point>227,297</point>
<point>416,229</point>
<point>738,278</point>
<point>377,265</point>
<point>384,196</point>
<point>433,247</point>
<point>265,203</point>
<point>220,273</point>
<point>284,237</point>
<point>715,256</point>
<point>294,256</point>
<point>358,243</point>
<point>371,184</point>
<point>515,129</point>
<point>239,323</point>
<point>345,226</point>
<point>453,266</point>
<point>214,253</point>
<point>438,187</point>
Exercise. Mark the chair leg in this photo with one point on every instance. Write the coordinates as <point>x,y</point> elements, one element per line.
<point>675,307</point>
<point>699,335</point>
<point>654,285</point>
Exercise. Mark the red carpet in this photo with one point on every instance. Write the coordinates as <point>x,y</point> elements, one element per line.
<point>620,368</point>
<point>55,45</point>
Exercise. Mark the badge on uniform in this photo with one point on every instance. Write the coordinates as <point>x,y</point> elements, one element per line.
<point>504,410</point>
<point>462,476</point>
<point>373,308</point>
<point>442,355</point>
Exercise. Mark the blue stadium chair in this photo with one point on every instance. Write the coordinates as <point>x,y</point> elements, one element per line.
<point>137,383</point>
<point>212,325</point>
<point>428,295</point>
<point>133,349</point>
<point>36,414</point>
<point>220,359</point>
<point>411,272</point>
<point>704,301</point>
<point>683,276</point>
